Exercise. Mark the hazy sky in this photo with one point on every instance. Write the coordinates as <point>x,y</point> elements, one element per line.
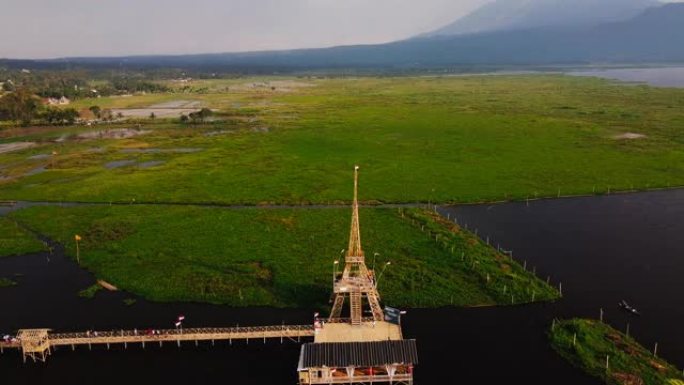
<point>57,28</point>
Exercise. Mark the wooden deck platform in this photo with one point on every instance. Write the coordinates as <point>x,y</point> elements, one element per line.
<point>368,330</point>
<point>37,344</point>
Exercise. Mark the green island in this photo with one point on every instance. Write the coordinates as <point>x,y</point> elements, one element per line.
<point>587,343</point>
<point>436,139</point>
<point>6,282</point>
<point>15,240</point>
<point>283,257</point>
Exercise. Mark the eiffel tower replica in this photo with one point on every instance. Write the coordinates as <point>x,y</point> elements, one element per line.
<point>357,282</point>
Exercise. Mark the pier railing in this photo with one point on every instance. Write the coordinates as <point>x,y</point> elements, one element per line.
<point>30,346</point>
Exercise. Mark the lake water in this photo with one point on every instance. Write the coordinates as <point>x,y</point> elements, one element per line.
<point>603,249</point>
<point>659,77</point>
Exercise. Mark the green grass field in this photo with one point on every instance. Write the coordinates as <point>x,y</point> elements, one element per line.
<point>282,257</point>
<point>14,240</point>
<point>449,139</point>
<point>627,363</point>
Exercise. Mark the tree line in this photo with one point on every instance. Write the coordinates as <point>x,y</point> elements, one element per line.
<point>23,106</point>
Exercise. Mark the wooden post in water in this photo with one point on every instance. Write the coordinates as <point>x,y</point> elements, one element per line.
<point>655,350</point>
<point>77,238</point>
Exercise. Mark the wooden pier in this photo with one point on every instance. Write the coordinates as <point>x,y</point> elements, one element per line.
<point>38,344</point>
<point>354,350</point>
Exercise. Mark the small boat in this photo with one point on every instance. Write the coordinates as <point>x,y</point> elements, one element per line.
<point>626,307</point>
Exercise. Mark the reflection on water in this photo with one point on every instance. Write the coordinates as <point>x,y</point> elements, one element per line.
<point>659,77</point>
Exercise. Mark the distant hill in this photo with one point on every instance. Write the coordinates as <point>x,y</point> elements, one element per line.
<point>501,15</point>
<point>654,36</point>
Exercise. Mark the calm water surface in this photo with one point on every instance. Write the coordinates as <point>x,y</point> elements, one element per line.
<point>659,77</point>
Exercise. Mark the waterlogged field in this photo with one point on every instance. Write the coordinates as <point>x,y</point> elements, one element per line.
<point>438,139</point>
<point>283,257</point>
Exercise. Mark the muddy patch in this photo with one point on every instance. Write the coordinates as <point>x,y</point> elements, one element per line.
<point>147,112</point>
<point>177,104</point>
<point>119,164</point>
<point>218,132</point>
<point>629,136</point>
<point>160,150</point>
<point>39,156</point>
<point>16,146</point>
<point>151,163</point>
<point>36,171</point>
<point>115,133</point>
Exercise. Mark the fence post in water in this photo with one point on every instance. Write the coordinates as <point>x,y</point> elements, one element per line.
<point>655,350</point>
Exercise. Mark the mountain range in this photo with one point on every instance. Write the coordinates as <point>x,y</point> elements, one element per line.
<point>610,31</point>
<point>503,15</point>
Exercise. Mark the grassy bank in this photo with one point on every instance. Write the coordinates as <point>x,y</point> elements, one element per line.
<point>452,139</point>
<point>628,362</point>
<point>14,240</point>
<point>277,257</point>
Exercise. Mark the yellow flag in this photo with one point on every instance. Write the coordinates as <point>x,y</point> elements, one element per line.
<point>77,237</point>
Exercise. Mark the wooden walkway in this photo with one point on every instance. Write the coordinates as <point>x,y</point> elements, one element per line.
<point>39,346</point>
